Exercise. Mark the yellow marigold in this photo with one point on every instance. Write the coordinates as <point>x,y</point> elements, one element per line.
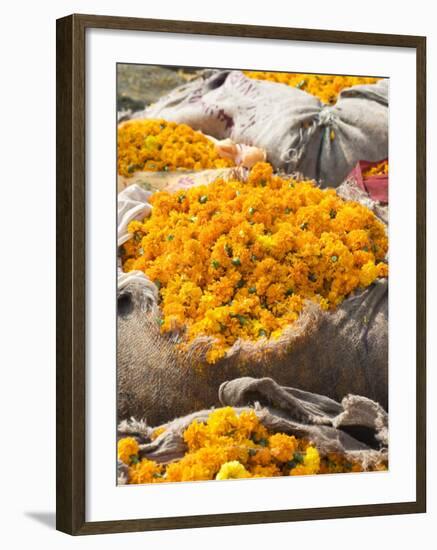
<point>232,470</point>
<point>324,86</point>
<point>237,260</point>
<point>282,446</point>
<point>369,272</point>
<point>158,145</point>
<point>127,448</point>
<point>376,169</point>
<point>196,435</point>
<point>310,465</point>
<point>223,421</point>
<point>145,471</point>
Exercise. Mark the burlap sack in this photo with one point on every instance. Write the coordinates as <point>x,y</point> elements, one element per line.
<point>296,130</point>
<point>334,354</point>
<point>329,353</point>
<point>357,427</point>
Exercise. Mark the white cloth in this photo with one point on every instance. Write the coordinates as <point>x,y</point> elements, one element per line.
<point>132,204</point>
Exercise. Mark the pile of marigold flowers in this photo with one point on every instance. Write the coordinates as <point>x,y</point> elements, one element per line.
<point>237,260</point>
<point>376,169</point>
<point>326,87</point>
<point>234,446</point>
<point>159,145</point>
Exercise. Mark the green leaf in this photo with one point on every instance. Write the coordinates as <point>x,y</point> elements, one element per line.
<point>298,458</point>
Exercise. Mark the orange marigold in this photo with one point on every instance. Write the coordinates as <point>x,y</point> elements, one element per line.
<point>237,260</point>
<point>324,86</point>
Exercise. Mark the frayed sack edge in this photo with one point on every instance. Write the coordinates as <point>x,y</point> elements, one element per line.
<point>145,292</point>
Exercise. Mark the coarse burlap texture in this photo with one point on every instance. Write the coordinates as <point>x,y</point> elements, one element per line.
<point>357,427</point>
<point>297,131</point>
<point>330,353</point>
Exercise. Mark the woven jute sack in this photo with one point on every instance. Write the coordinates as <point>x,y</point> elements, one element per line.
<point>328,353</point>
<point>334,353</point>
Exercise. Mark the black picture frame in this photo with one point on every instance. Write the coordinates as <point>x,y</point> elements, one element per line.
<point>71,248</point>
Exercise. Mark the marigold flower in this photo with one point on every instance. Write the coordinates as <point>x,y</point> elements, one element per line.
<point>231,273</point>
<point>229,445</point>
<point>145,471</point>
<point>282,446</point>
<point>325,87</point>
<point>270,470</point>
<point>232,470</point>
<point>159,145</point>
<point>127,448</point>
<point>310,465</point>
<point>376,169</point>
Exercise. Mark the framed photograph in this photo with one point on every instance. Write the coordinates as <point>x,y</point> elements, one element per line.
<point>240,274</point>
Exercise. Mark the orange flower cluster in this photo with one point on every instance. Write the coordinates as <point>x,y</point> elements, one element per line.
<point>324,86</point>
<point>158,145</point>
<point>376,169</point>
<point>236,260</point>
<point>235,446</point>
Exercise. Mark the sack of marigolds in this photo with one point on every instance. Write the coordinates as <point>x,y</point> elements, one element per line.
<point>261,429</point>
<point>296,129</point>
<point>255,274</point>
<point>157,153</point>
